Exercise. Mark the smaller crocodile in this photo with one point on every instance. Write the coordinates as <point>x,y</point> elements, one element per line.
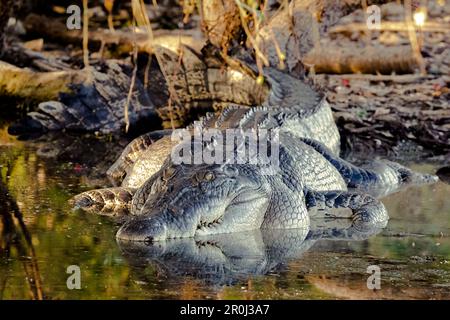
<point>175,200</point>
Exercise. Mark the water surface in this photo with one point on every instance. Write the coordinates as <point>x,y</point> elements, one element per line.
<point>40,236</point>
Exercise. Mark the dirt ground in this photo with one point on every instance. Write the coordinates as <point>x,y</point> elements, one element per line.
<point>405,113</point>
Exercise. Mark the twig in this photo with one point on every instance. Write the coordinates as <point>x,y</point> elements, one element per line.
<point>85,34</point>
<point>133,80</point>
<point>109,4</point>
<point>413,37</point>
<point>253,41</point>
<point>147,70</point>
<point>142,19</point>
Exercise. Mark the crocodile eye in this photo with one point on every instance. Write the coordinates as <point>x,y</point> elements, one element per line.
<point>209,176</point>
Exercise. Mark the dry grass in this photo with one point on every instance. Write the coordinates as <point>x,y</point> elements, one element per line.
<point>251,16</point>
<point>142,20</point>
<point>85,34</point>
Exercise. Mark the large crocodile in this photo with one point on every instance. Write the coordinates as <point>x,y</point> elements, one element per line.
<point>225,259</point>
<point>172,200</point>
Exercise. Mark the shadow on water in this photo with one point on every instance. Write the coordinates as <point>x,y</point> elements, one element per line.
<point>41,236</point>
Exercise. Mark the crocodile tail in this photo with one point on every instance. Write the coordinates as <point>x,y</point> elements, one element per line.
<point>108,201</point>
<point>368,213</point>
<point>380,176</point>
<point>412,177</point>
<point>131,153</point>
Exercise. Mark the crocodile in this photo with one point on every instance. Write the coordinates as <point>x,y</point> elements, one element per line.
<point>166,199</point>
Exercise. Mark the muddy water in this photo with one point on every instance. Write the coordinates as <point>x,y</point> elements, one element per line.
<point>40,237</point>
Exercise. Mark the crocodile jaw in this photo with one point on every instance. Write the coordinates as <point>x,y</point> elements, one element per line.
<point>243,212</point>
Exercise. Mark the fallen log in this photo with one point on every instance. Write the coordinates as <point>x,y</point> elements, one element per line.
<point>372,60</point>
<point>38,86</point>
<point>99,102</point>
<point>88,100</point>
<point>429,26</point>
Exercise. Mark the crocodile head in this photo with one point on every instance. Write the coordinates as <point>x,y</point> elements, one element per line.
<point>190,200</point>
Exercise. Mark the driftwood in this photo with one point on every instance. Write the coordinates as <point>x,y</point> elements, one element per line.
<point>99,102</point>
<point>118,42</point>
<point>351,59</point>
<point>389,26</point>
<point>40,86</point>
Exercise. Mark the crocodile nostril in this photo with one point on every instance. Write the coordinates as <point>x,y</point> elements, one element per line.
<point>148,240</point>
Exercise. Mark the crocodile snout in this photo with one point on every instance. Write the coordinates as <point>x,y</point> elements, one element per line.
<point>145,229</point>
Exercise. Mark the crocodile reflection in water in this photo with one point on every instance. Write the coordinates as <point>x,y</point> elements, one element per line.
<point>225,259</point>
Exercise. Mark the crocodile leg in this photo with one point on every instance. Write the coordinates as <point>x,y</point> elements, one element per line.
<point>286,210</point>
<point>367,212</point>
<point>108,201</point>
<point>338,229</point>
<point>132,152</point>
<point>378,177</point>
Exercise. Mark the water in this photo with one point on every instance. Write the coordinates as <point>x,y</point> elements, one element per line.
<point>40,236</point>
